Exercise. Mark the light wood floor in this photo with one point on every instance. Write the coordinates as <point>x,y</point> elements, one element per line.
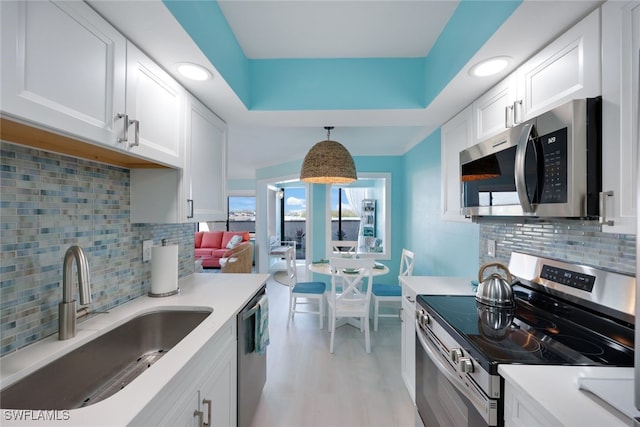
<point>309,387</point>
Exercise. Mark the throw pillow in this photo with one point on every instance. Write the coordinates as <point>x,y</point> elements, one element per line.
<point>235,240</point>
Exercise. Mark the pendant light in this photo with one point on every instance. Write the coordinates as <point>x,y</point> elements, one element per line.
<point>328,162</point>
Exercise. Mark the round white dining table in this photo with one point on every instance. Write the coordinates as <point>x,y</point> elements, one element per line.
<point>323,268</point>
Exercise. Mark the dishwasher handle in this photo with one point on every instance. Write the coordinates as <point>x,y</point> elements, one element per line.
<point>252,311</point>
<point>247,313</point>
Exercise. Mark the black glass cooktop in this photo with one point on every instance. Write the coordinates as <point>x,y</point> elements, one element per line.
<point>540,330</point>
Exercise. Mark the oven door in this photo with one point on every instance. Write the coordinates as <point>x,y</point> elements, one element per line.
<point>443,399</point>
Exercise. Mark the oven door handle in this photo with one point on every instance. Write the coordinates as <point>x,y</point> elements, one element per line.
<point>479,403</point>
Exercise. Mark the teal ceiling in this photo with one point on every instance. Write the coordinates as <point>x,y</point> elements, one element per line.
<point>341,84</point>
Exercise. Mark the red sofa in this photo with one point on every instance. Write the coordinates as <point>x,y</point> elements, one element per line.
<point>210,246</point>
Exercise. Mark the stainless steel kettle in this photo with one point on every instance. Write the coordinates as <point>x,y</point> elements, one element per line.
<point>495,290</point>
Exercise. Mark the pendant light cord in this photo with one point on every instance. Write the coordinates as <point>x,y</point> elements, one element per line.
<point>328,128</point>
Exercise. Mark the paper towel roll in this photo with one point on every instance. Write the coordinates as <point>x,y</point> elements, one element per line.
<point>164,270</point>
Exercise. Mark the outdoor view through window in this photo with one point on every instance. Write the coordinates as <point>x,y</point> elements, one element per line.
<point>242,213</point>
<point>344,221</point>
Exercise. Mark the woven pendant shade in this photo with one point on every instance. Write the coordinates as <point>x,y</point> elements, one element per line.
<point>328,162</point>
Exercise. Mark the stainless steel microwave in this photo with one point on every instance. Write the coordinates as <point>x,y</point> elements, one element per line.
<point>549,166</point>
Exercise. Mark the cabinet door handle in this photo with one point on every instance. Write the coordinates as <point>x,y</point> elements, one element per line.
<point>400,314</point>
<point>190,202</point>
<point>517,112</point>
<point>508,111</point>
<point>136,140</point>
<point>208,403</point>
<point>410,300</point>
<point>125,131</point>
<point>602,218</point>
<point>200,416</point>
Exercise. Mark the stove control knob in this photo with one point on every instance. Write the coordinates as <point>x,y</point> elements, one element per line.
<point>423,318</point>
<point>465,365</point>
<point>455,354</point>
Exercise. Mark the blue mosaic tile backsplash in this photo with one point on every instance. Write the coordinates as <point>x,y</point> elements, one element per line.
<point>580,242</point>
<point>49,202</point>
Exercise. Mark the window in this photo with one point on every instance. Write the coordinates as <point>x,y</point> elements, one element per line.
<point>366,213</point>
<point>241,216</point>
<point>344,219</point>
<point>294,217</point>
<point>241,213</point>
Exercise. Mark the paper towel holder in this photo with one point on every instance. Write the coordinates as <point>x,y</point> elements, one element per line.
<point>162,294</point>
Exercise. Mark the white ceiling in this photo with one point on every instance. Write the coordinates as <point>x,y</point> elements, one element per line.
<point>323,29</point>
<point>337,29</point>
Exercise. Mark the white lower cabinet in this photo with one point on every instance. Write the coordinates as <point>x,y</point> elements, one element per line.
<point>204,392</point>
<point>408,341</point>
<point>620,116</point>
<point>520,410</point>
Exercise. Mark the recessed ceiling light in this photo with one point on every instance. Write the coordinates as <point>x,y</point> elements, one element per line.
<point>194,71</point>
<point>490,66</point>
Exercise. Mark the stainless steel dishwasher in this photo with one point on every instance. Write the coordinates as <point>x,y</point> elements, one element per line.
<point>252,366</point>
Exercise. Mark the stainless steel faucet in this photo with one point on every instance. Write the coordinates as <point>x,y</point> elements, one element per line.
<point>67,308</point>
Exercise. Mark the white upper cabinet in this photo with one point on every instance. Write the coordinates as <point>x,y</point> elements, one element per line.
<point>63,67</point>
<point>205,172</point>
<point>620,116</point>
<point>493,111</point>
<point>568,68</point>
<point>152,124</point>
<point>195,193</point>
<point>456,135</point>
<point>66,69</point>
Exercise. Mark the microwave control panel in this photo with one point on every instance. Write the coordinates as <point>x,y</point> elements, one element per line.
<point>554,149</point>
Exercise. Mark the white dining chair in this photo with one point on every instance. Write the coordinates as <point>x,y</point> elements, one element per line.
<point>344,247</point>
<point>391,292</point>
<point>352,299</point>
<point>303,292</point>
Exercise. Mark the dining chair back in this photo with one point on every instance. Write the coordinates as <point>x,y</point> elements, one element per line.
<point>344,247</point>
<point>353,297</point>
<point>391,292</point>
<point>303,293</point>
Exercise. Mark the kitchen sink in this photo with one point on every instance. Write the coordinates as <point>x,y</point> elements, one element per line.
<point>103,366</point>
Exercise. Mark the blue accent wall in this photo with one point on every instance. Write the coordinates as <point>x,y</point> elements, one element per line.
<point>442,248</point>
<point>319,84</point>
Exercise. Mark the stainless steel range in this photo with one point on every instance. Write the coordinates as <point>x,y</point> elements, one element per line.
<point>564,314</point>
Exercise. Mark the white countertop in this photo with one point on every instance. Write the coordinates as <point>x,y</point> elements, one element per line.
<point>555,388</point>
<point>225,294</point>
